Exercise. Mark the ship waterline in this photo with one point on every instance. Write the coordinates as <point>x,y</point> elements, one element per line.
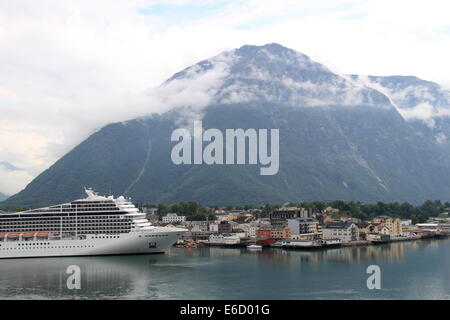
<point>95,225</point>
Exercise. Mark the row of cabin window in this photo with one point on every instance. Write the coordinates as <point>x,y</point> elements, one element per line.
<point>53,247</point>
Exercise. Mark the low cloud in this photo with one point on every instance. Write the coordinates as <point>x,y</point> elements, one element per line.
<point>196,88</point>
<point>414,102</point>
<point>423,111</point>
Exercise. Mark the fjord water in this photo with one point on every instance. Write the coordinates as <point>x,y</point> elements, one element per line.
<point>409,270</point>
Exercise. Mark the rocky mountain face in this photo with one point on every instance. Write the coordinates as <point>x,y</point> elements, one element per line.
<point>340,137</point>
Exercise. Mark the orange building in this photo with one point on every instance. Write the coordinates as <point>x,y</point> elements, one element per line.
<point>265,233</point>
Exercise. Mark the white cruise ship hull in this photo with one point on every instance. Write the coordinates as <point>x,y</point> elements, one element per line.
<point>156,240</point>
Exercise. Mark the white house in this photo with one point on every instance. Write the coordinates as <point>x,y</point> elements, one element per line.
<point>214,227</point>
<point>346,231</point>
<point>406,222</point>
<point>173,217</point>
<point>224,239</point>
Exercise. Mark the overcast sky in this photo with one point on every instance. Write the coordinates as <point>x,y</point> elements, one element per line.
<point>69,67</point>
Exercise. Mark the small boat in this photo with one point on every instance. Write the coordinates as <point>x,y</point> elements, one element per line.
<point>254,247</point>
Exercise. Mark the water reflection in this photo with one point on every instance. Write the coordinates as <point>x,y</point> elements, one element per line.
<point>47,277</point>
<point>393,252</point>
<point>235,273</point>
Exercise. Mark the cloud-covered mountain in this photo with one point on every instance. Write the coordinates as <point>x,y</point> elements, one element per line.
<point>3,196</point>
<point>424,104</point>
<point>341,137</point>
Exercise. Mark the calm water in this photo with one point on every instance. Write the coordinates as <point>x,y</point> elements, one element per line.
<point>409,270</point>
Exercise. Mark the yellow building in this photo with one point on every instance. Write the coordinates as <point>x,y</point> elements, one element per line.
<point>393,225</point>
<point>280,233</point>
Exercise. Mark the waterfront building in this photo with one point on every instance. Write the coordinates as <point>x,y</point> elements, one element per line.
<point>443,223</point>
<point>428,226</point>
<point>173,217</point>
<point>240,234</point>
<point>273,232</point>
<point>306,236</point>
<point>213,227</point>
<point>444,227</point>
<point>283,232</point>
<point>196,236</point>
<point>409,229</point>
<point>264,233</point>
<point>393,225</point>
<point>303,226</point>
<point>346,231</point>
<point>224,227</point>
<point>380,228</point>
<point>226,238</point>
<point>378,237</point>
<point>363,228</point>
<point>250,230</point>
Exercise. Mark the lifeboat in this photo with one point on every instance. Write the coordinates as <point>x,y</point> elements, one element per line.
<point>28,234</point>
<point>13,235</point>
<point>42,234</point>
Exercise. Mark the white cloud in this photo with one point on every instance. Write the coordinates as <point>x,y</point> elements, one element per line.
<point>441,138</point>
<point>68,68</point>
<point>197,88</point>
<point>11,181</point>
<point>423,111</point>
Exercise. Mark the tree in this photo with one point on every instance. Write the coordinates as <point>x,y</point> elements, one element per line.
<point>163,209</point>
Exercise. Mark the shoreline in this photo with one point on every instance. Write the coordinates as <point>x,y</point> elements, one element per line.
<point>359,243</point>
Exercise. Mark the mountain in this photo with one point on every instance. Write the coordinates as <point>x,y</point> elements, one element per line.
<point>341,137</point>
<point>3,196</point>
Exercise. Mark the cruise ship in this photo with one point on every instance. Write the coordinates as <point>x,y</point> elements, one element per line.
<point>95,225</point>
